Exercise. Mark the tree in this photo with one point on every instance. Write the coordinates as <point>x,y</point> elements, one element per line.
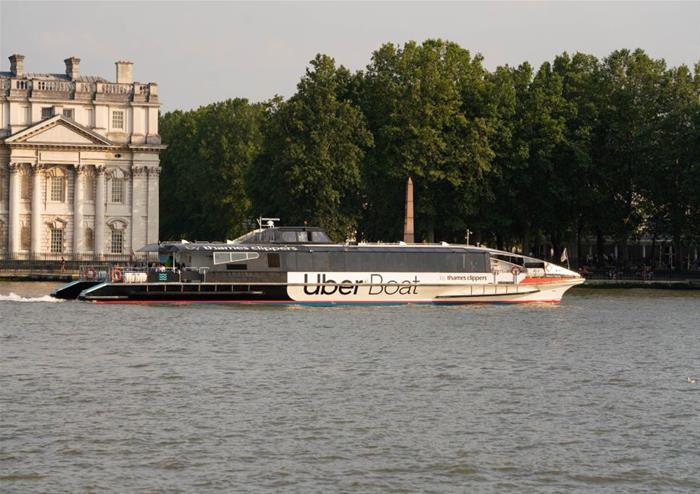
<point>204,168</point>
<point>310,169</point>
<point>425,107</point>
<point>629,101</point>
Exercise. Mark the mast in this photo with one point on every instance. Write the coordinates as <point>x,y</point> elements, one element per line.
<point>408,236</point>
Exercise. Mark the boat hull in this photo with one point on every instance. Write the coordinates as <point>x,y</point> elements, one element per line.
<point>326,294</point>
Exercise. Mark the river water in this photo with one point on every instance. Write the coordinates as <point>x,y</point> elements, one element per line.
<point>591,395</point>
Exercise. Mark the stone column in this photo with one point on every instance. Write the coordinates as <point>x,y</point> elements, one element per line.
<point>153,204</point>
<point>100,212</point>
<point>36,210</point>
<point>78,178</point>
<point>14,228</point>
<point>138,208</point>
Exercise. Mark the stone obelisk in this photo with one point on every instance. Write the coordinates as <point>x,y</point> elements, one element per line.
<point>408,236</point>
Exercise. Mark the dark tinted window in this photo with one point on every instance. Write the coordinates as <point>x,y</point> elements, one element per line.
<point>321,261</point>
<point>320,238</point>
<point>390,261</point>
<point>304,261</point>
<point>273,260</point>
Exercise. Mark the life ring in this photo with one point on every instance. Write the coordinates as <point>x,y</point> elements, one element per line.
<point>90,273</point>
<point>515,270</point>
<point>117,275</point>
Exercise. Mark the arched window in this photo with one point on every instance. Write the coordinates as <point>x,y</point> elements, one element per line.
<point>118,186</point>
<point>57,235</point>
<point>56,185</point>
<point>56,240</point>
<point>118,236</point>
<point>118,190</point>
<point>58,189</point>
<point>117,242</point>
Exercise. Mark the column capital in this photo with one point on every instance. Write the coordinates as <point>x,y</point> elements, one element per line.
<point>154,171</point>
<point>99,169</point>
<point>138,171</point>
<point>14,167</point>
<point>80,170</point>
<point>37,167</point>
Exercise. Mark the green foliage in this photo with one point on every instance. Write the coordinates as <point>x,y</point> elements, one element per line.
<point>425,105</point>
<point>314,145</point>
<point>204,167</point>
<point>520,156</point>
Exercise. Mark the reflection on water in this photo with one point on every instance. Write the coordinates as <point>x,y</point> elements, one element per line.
<point>588,395</point>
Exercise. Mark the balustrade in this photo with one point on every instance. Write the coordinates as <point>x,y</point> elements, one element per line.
<point>53,86</point>
<point>106,89</point>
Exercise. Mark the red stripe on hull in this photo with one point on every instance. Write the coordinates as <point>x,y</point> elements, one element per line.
<point>544,281</point>
<point>322,302</point>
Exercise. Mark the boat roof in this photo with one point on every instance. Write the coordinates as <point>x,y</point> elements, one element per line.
<point>222,247</point>
<point>310,239</point>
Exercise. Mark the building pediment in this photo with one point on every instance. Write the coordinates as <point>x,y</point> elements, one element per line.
<point>58,131</point>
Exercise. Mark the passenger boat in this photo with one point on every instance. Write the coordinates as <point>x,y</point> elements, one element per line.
<point>300,265</point>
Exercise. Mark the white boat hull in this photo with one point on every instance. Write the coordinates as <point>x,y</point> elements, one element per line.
<point>439,288</point>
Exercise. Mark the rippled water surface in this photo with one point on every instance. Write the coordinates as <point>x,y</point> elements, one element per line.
<point>588,396</point>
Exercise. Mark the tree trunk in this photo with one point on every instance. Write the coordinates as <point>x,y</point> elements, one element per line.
<point>600,247</point>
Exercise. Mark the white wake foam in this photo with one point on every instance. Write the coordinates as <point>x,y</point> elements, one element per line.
<point>13,297</point>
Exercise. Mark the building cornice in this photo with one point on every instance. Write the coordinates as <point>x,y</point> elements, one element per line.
<point>147,147</point>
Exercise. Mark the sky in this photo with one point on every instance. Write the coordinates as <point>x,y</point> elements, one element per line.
<point>201,52</point>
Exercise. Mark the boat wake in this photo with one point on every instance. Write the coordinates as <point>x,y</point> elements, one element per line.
<point>13,297</point>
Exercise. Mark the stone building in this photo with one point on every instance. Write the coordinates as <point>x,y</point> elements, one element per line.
<point>79,165</point>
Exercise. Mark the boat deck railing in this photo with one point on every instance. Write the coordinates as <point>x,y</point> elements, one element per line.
<point>160,274</point>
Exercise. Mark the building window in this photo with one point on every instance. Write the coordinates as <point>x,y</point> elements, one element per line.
<point>118,119</point>
<point>27,115</point>
<point>89,239</point>
<point>58,189</point>
<point>56,240</point>
<point>88,115</point>
<point>69,113</point>
<point>26,187</point>
<point>47,112</point>
<point>117,241</point>
<point>118,190</point>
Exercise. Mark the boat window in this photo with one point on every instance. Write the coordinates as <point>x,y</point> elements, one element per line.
<point>227,257</point>
<point>354,261</point>
<point>304,237</point>
<point>388,261</point>
<point>273,260</point>
<point>236,267</point>
<point>477,262</point>
<point>338,261</point>
<point>289,237</point>
<point>321,261</point>
<point>320,238</point>
<point>304,261</point>
<point>512,259</point>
